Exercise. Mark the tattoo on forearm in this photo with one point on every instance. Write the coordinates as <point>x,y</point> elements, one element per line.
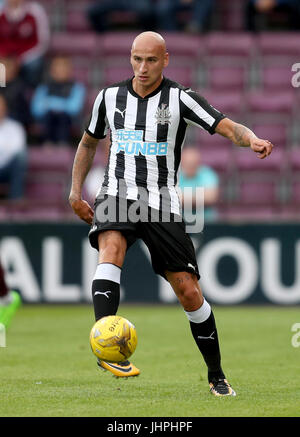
<point>83,162</point>
<point>88,142</point>
<point>242,135</point>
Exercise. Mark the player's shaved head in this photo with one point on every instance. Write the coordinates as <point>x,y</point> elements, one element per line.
<point>148,59</point>
<point>149,41</point>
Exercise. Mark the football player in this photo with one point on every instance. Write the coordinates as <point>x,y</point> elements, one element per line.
<point>148,115</point>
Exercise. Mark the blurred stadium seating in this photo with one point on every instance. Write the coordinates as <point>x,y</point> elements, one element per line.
<point>246,76</point>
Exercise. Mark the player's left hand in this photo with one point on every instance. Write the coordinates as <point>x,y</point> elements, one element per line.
<point>82,209</point>
<point>262,148</point>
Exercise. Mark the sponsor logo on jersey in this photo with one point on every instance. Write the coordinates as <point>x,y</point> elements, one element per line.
<point>131,143</point>
<point>129,135</point>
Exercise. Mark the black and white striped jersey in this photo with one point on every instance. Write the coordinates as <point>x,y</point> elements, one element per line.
<point>147,135</point>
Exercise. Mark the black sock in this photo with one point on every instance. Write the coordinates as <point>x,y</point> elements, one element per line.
<point>106,297</point>
<point>208,344</point>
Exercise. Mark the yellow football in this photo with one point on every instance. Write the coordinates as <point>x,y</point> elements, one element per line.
<point>113,339</point>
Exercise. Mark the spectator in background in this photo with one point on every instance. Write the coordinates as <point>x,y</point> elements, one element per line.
<point>24,33</point>
<point>15,92</point>
<point>194,174</point>
<point>261,15</point>
<point>167,14</point>
<point>99,12</point>
<point>13,156</point>
<point>58,102</point>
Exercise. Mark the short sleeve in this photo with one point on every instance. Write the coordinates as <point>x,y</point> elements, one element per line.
<point>197,111</point>
<point>98,126</point>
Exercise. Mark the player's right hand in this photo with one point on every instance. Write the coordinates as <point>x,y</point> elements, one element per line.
<point>263,148</point>
<point>83,210</point>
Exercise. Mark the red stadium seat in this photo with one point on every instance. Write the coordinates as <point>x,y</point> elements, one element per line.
<point>117,43</point>
<point>46,192</point>
<point>35,211</point>
<point>289,213</point>
<point>227,102</point>
<point>272,113</point>
<point>48,175</point>
<point>4,213</point>
<point>226,78</point>
<point>56,159</point>
<point>192,46</point>
<point>113,74</point>
<point>295,194</point>
<point>185,75</point>
<point>76,21</point>
<point>75,44</point>
<point>266,102</point>
<point>92,94</point>
<point>246,160</point>
<point>279,43</point>
<point>82,73</point>
<point>240,45</point>
<point>205,139</point>
<point>294,158</point>
<point>276,78</point>
<point>258,192</point>
<point>276,133</point>
<point>219,158</point>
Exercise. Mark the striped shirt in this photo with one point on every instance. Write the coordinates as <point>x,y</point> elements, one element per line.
<point>147,135</point>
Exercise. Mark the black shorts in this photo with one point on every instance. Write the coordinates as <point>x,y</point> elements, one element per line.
<point>169,245</point>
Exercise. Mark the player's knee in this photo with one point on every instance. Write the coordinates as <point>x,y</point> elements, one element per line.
<point>189,295</point>
<point>112,250</point>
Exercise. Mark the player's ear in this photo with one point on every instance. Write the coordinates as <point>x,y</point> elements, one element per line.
<point>166,59</point>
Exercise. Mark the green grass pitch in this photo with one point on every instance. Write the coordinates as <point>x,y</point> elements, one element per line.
<point>47,368</point>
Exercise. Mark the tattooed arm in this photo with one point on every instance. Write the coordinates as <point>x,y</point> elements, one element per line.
<point>244,137</point>
<point>82,163</point>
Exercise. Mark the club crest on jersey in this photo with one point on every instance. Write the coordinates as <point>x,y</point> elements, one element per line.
<point>163,114</point>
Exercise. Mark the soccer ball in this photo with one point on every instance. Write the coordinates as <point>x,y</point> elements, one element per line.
<point>113,339</point>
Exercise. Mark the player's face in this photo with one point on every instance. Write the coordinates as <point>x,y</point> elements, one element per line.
<point>148,64</point>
